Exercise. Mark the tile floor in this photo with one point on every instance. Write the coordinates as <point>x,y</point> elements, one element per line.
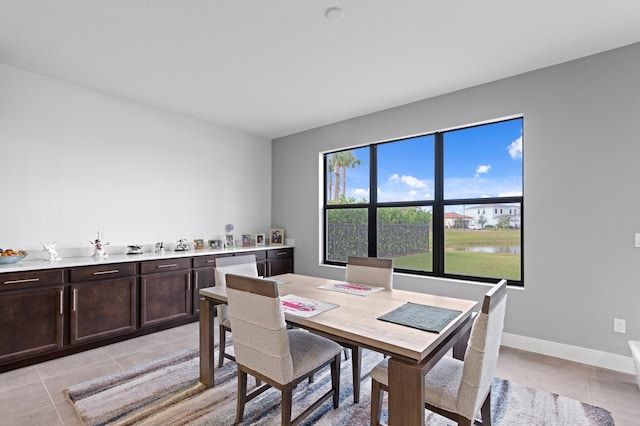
<point>34,395</point>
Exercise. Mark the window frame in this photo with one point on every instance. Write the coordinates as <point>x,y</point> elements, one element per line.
<point>438,205</point>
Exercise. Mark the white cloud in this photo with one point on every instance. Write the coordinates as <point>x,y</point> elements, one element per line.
<point>413,182</point>
<point>515,148</point>
<point>394,177</point>
<point>360,193</point>
<point>510,194</point>
<point>413,192</point>
<point>482,170</point>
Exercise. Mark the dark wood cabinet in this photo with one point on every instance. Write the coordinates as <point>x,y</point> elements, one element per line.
<point>104,302</point>
<point>31,314</point>
<point>165,291</point>
<point>52,311</point>
<point>279,262</point>
<point>203,276</point>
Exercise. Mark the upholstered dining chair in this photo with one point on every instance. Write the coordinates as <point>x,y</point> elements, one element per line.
<point>266,349</point>
<point>239,265</point>
<point>453,388</point>
<point>376,272</point>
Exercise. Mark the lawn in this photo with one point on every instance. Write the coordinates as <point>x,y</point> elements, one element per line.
<point>498,265</point>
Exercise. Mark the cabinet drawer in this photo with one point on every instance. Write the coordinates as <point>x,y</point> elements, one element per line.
<point>273,254</point>
<point>16,280</point>
<point>204,261</point>
<point>165,265</point>
<point>101,272</point>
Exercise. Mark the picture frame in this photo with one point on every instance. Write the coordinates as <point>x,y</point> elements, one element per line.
<point>246,240</point>
<point>276,236</point>
<point>260,240</point>
<point>215,244</point>
<point>229,241</point>
<point>198,244</point>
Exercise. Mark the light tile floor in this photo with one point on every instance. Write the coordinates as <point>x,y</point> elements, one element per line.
<point>34,395</point>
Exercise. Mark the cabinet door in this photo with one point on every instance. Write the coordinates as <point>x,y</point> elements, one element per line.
<point>165,297</point>
<point>279,266</point>
<point>102,308</point>
<point>202,278</point>
<point>32,322</point>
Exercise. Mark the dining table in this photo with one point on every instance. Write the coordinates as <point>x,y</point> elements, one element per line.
<point>354,318</point>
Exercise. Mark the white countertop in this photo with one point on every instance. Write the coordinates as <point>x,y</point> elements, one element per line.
<point>39,264</point>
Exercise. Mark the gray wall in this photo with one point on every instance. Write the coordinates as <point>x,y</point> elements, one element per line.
<point>581,175</point>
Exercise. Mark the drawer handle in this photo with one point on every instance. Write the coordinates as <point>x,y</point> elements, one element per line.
<point>281,253</point>
<point>211,261</point>
<point>169,265</point>
<point>112,271</point>
<point>26,280</point>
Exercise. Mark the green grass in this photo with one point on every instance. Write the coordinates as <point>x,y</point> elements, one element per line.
<point>497,265</point>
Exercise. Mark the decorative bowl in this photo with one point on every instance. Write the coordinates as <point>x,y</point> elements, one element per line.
<point>12,258</point>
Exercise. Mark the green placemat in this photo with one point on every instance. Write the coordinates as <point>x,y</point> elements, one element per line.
<point>423,317</point>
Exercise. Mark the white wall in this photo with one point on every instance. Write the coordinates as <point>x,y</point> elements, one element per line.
<point>581,149</point>
<point>74,161</point>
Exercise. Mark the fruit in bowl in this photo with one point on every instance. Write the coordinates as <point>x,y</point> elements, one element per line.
<point>12,256</point>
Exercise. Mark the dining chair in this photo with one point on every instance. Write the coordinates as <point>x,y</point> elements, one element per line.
<point>239,265</point>
<point>459,389</point>
<point>266,349</point>
<point>372,271</point>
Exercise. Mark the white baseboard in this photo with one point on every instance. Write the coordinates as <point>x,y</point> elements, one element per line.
<point>572,353</point>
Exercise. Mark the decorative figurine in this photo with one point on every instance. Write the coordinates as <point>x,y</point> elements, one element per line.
<point>160,247</point>
<point>134,249</point>
<point>182,245</point>
<point>50,252</point>
<point>99,251</point>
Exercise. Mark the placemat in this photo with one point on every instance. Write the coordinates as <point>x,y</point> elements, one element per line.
<point>423,317</point>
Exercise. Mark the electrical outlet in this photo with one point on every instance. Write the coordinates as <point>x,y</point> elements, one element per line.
<point>619,325</point>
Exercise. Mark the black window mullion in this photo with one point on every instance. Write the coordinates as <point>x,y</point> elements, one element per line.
<point>373,201</point>
<point>438,207</point>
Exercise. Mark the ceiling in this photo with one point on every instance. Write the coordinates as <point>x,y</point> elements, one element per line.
<point>277,67</point>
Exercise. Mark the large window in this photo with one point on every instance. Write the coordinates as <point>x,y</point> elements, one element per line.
<point>445,204</point>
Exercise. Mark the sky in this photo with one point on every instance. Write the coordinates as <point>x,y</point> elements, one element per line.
<point>481,161</point>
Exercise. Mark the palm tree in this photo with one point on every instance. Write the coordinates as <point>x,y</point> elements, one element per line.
<point>330,166</point>
<point>351,161</point>
<point>339,162</point>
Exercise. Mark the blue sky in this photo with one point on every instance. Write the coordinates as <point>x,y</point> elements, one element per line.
<point>481,161</point>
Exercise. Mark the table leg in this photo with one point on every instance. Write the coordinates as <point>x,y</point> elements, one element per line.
<point>406,393</point>
<point>206,342</point>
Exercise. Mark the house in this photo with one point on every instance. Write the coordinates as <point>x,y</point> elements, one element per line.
<point>76,158</point>
<point>494,215</point>
<point>457,220</point>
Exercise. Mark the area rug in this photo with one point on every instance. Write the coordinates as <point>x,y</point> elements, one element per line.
<point>167,392</point>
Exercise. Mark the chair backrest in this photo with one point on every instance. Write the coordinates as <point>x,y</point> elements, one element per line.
<point>372,271</point>
<point>239,265</point>
<point>482,353</point>
<point>260,337</point>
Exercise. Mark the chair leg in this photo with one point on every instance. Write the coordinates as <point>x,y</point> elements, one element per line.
<point>335,381</point>
<point>242,395</point>
<point>221,345</point>
<point>287,401</point>
<point>376,402</point>
<point>356,361</point>
<point>485,410</point>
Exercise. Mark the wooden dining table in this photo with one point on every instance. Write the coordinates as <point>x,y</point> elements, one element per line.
<point>355,320</point>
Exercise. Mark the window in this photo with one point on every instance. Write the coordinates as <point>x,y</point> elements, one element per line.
<point>437,203</point>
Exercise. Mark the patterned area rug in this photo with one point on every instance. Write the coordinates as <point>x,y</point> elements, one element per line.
<point>167,391</point>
